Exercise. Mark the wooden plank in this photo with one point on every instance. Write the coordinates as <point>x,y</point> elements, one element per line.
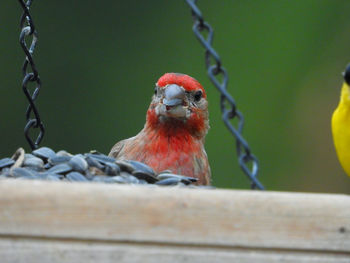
<point>246,222</point>
<point>53,251</point>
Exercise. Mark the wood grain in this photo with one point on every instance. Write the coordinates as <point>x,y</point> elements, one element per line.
<point>252,225</point>
<point>62,251</point>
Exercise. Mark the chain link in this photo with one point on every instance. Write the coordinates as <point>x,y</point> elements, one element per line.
<point>247,161</point>
<point>30,74</point>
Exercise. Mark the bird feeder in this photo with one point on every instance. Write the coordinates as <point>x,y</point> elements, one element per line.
<point>124,221</point>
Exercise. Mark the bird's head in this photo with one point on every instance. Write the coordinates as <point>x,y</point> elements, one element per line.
<point>345,92</point>
<point>346,75</point>
<point>179,100</point>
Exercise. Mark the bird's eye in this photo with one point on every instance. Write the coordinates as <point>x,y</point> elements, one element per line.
<point>198,95</point>
<point>155,91</point>
<point>346,75</point>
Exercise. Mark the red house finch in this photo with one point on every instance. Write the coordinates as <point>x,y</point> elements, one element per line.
<point>176,125</point>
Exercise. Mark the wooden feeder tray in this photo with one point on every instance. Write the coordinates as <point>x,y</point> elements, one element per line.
<point>83,222</point>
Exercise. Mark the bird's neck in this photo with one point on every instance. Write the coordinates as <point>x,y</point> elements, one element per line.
<point>171,138</point>
<point>196,127</point>
<point>172,135</point>
<point>173,132</point>
<point>345,96</point>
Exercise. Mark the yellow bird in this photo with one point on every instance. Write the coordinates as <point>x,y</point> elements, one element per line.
<point>341,124</point>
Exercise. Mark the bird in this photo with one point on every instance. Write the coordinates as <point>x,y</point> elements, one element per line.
<point>173,136</point>
<point>341,124</point>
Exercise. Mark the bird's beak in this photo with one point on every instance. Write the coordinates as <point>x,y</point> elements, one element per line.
<point>173,95</point>
<point>174,103</point>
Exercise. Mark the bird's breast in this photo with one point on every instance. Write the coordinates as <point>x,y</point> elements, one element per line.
<point>341,135</point>
<point>180,153</point>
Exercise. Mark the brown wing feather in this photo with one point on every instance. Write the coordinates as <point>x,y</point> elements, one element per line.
<point>117,148</point>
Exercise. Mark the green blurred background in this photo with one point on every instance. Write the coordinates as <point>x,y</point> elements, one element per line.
<point>99,60</point>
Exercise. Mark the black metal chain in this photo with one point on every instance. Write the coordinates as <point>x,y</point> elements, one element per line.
<point>247,161</point>
<point>30,74</point>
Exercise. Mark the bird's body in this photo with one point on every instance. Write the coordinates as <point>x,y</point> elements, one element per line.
<point>173,136</point>
<point>341,128</point>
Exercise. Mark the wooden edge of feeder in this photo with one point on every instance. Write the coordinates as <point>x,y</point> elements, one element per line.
<point>58,221</point>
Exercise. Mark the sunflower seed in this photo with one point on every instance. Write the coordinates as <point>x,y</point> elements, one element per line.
<point>144,176</point>
<point>75,176</point>
<point>60,168</point>
<point>18,157</point>
<point>64,153</point>
<point>112,169</point>
<point>89,175</point>
<point>129,178</point>
<point>44,164</point>
<point>93,162</point>
<point>95,171</point>
<point>169,181</point>
<point>170,175</point>
<point>22,172</point>
<point>34,162</point>
<point>141,181</point>
<point>132,179</point>
<point>6,172</point>
<point>125,166</point>
<point>101,158</point>
<point>44,153</point>
<point>50,175</point>
<point>95,152</point>
<point>42,176</point>
<point>78,163</point>
<point>47,165</point>
<point>141,166</point>
<point>6,162</point>
<point>29,155</point>
<point>59,159</point>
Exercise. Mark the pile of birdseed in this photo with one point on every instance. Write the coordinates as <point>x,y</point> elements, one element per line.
<point>46,164</point>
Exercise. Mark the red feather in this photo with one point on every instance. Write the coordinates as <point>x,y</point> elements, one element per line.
<point>174,144</point>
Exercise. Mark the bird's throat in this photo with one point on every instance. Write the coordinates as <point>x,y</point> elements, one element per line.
<point>195,125</point>
<point>345,95</point>
<point>170,147</point>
